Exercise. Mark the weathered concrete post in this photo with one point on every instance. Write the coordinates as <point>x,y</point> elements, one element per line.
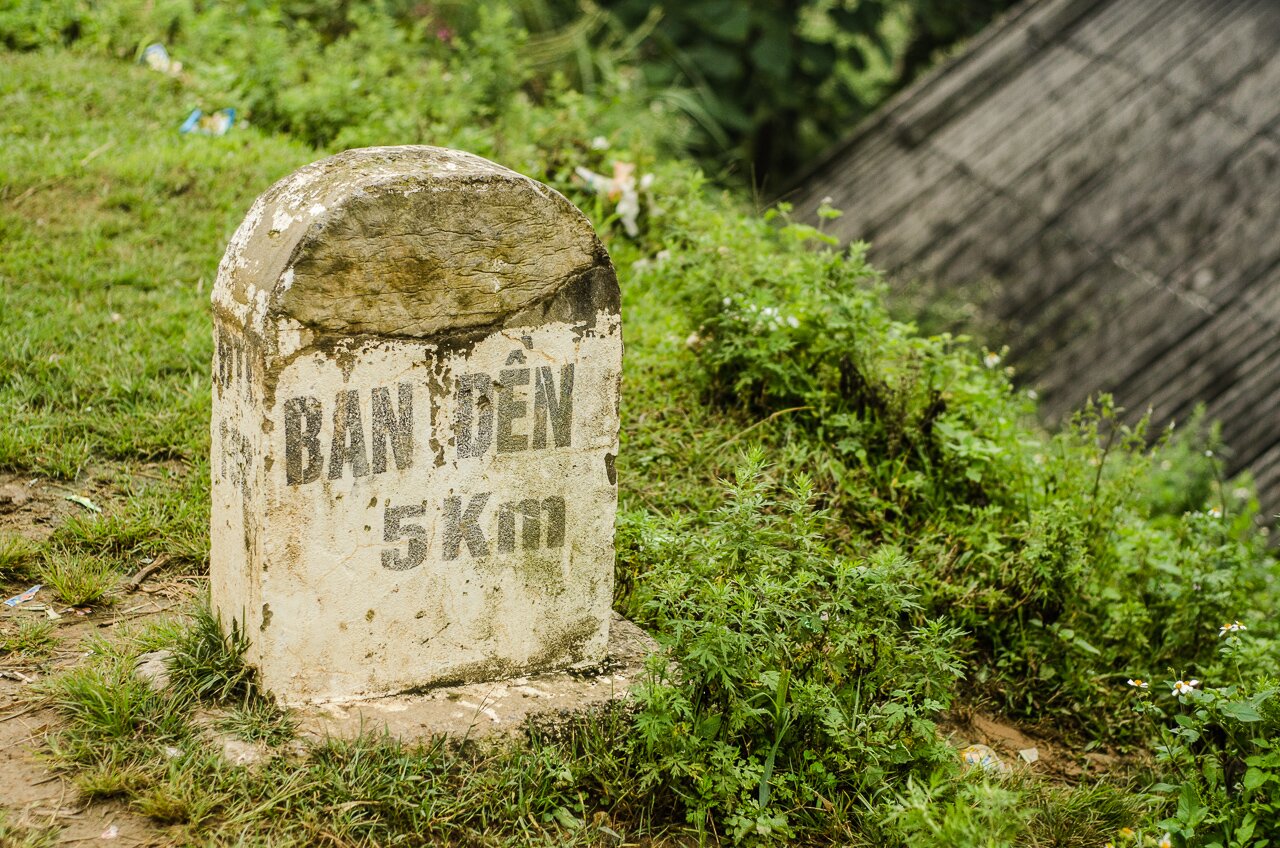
<point>415,419</point>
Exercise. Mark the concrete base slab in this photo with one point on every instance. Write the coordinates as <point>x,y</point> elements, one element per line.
<point>494,709</point>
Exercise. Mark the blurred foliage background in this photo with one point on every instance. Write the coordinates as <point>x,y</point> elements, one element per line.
<point>771,83</point>
<point>766,85</point>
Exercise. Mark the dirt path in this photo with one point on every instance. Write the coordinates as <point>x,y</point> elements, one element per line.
<point>36,797</point>
<point>31,793</point>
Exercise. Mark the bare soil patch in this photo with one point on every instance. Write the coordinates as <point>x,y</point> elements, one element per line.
<point>33,794</point>
<point>37,797</point>
<point>33,507</point>
<point>1040,752</point>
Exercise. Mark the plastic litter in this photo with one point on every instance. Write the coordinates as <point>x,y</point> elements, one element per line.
<point>44,608</point>
<point>157,58</point>
<point>215,123</point>
<point>23,597</point>
<point>110,833</point>
<point>18,676</point>
<point>84,502</point>
<point>1029,755</point>
<point>622,188</point>
<point>981,756</point>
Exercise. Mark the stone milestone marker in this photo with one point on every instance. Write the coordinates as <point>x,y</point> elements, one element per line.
<point>415,419</point>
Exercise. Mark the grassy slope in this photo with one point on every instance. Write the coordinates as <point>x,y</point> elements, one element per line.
<point>105,210</point>
<point>108,211</point>
<point>113,225</point>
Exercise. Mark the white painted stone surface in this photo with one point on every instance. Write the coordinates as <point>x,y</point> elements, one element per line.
<point>415,418</point>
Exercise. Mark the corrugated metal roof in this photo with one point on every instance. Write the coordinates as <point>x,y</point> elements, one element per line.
<point>1114,165</point>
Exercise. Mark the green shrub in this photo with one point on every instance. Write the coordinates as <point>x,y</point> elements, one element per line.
<point>359,75</point>
<point>794,670</point>
<point>1219,748</point>
<point>773,84</point>
<point>1063,565</point>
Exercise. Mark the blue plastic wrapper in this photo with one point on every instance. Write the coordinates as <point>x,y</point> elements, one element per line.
<point>25,596</point>
<point>984,758</point>
<point>215,123</point>
<point>157,58</point>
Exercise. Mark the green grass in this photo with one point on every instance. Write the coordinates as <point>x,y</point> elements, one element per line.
<point>139,228</point>
<point>18,556</point>
<point>30,637</point>
<point>208,663</point>
<point>113,225</point>
<point>13,835</point>
<point>79,580</point>
<point>259,720</point>
<point>125,739</point>
<point>154,513</point>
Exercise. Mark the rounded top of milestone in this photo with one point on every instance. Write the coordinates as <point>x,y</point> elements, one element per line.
<point>410,241</point>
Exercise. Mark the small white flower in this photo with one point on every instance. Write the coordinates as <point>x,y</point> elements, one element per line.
<point>1208,453</point>
<point>1215,512</point>
<point>991,360</point>
<point>1033,394</point>
<point>1165,465</point>
<point>1165,842</point>
<point>662,255</point>
<point>728,301</point>
<point>1233,627</point>
<point>1241,493</point>
<point>793,321</point>
<point>1038,458</point>
<point>1138,683</point>
<point>694,341</point>
<point>1185,687</point>
<point>599,143</point>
